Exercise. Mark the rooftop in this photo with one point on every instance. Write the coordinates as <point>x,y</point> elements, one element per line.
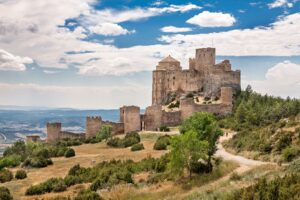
<point>169,59</point>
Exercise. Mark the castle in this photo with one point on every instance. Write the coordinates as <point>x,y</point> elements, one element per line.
<point>176,95</point>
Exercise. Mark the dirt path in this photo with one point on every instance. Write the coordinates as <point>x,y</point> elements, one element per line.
<point>239,159</point>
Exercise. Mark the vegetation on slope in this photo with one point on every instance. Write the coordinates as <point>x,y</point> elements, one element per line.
<point>264,126</point>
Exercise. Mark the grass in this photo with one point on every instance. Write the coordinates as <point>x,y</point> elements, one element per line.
<point>217,191</point>
<point>168,190</point>
<point>87,155</point>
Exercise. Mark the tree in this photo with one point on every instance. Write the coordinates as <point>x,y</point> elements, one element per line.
<point>185,150</point>
<point>104,132</point>
<point>207,129</point>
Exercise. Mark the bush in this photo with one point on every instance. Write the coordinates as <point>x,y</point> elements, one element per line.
<point>137,147</point>
<point>5,194</point>
<point>70,153</point>
<point>5,175</point>
<point>72,180</point>
<point>164,128</point>
<point>115,142</point>
<point>283,142</point>
<point>129,140</point>
<point>52,184</point>
<point>21,174</point>
<point>73,170</point>
<point>87,195</point>
<point>10,161</point>
<point>162,142</point>
<point>37,162</point>
<point>99,183</point>
<point>290,153</point>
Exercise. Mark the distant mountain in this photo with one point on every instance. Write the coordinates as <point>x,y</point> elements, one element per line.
<point>12,107</point>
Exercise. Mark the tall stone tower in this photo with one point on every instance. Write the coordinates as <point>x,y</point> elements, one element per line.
<point>93,125</point>
<point>53,131</point>
<point>130,116</point>
<point>205,57</point>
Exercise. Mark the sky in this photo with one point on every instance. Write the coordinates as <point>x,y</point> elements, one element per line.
<point>93,54</point>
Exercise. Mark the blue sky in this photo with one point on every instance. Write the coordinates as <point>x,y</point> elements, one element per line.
<point>100,54</point>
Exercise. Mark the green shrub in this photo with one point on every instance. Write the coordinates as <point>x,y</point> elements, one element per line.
<point>5,175</point>
<point>21,174</point>
<point>137,147</point>
<point>5,194</point>
<point>162,142</point>
<point>10,161</point>
<point>129,140</point>
<point>59,187</point>
<point>105,132</point>
<point>87,195</point>
<point>290,153</point>
<point>72,180</point>
<point>115,142</point>
<point>52,184</point>
<point>99,183</point>
<point>164,128</point>
<point>70,153</point>
<point>37,162</point>
<point>73,170</point>
<point>284,141</point>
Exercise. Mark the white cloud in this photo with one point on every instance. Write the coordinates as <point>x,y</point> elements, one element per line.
<point>30,33</point>
<point>174,29</point>
<point>283,80</point>
<point>135,14</point>
<point>279,39</point>
<point>110,29</point>
<point>212,19</point>
<point>74,97</point>
<point>281,3</point>
<point>10,62</point>
<point>50,72</point>
<point>158,3</point>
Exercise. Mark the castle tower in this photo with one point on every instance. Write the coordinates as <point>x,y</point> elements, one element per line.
<point>226,95</point>
<point>169,63</point>
<point>53,131</point>
<point>130,116</point>
<point>158,86</point>
<point>205,57</point>
<point>93,125</point>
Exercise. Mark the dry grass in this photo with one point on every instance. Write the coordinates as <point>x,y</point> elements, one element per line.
<point>87,155</point>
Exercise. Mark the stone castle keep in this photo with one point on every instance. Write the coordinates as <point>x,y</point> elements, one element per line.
<point>176,95</point>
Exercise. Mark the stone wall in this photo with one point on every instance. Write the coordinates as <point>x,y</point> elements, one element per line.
<point>188,107</point>
<point>171,118</point>
<point>93,125</point>
<point>117,127</point>
<point>33,138</point>
<point>70,135</point>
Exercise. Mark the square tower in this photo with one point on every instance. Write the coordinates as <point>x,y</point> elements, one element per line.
<point>205,57</point>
